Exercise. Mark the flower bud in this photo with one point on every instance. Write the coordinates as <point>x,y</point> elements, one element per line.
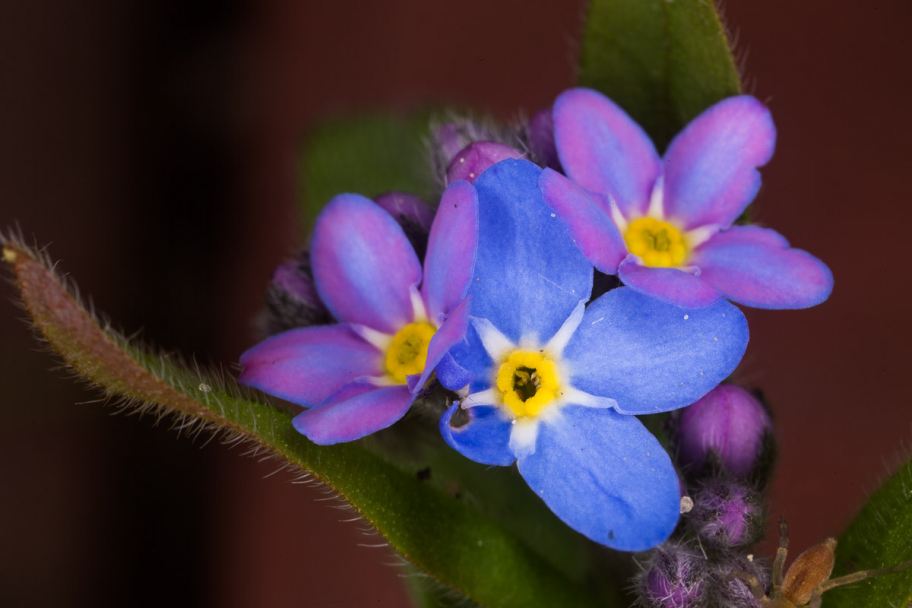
<point>449,138</point>
<point>727,513</point>
<point>729,429</point>
<point>292,299</point>
<point>540,133</point>
<point>476,157</point>
<point>412,214</point>
<point>729,592</point>
<point>675,577</point>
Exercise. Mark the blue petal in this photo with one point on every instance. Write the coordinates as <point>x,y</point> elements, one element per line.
<point>755,267</point>
<point>452,375</point>
<point>363,264</point>
<point>602,149</point>
<point>450,260</point>
<point>355,411</point>
<point>606,477</point>
<point>470,363</point>
<point>309,364</point>
<point>650,356</point>
<point>485,438</point>
<point>529,274</point>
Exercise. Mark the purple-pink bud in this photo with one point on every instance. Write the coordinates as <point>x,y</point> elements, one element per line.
<point>292,299</point>
<point>472,160</point>
<point>675,577</point>
<point>540,133</point>
<point>448,139</point>
<point>412,214</point>
<point>728,425</point>
<point>734,592</point>
<point>727,513</point>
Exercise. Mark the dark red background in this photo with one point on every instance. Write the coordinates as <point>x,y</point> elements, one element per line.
<point>153,144</point>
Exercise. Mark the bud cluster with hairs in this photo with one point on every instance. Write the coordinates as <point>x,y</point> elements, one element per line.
<point>724,448</point>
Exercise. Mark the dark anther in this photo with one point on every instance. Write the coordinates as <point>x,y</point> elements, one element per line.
<point>424,474</point>
<point>526,382</point>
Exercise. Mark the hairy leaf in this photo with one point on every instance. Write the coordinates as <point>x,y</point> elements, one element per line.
<point>439,531</point>
<point>663,61</point>
<point>879,537</point>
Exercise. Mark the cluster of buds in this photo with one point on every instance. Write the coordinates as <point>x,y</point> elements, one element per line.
<point>724,448</point>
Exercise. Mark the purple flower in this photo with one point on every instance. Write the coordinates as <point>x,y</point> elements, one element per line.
<point>664,225</point>
<point>396,322</point>
<point>553,381</point>
<point>728,427</point>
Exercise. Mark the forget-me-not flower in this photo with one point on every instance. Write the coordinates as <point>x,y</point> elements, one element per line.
<point>664,225</point>
<point>553,381</point>
<point>396,321</point>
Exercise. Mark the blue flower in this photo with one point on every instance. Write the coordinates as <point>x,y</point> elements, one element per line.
<point>664,226</point>
<point>397,321</point>
<point>553,381</point>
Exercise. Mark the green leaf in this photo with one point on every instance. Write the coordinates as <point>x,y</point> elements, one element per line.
<point>663,61</point>
<point>367,155</point>
<point>879,537</point>
<point>442,532</point>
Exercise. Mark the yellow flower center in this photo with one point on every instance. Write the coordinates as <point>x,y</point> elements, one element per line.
<point>657,243</point>
<point>528,381</point>
<point>407,354</point>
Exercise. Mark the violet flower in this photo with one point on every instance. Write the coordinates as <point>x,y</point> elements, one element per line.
<point>396,322</point>
<point>664,225</point>
<point>555,385</point>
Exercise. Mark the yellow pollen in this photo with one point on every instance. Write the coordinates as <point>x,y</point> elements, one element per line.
<point>407,354</point>
<point>528,381</point>
<point>657,243</point>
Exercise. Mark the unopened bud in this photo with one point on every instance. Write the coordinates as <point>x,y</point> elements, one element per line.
<point>727,513</point>
<point>729,591</point>
<point>292,299</point>
<point>412,214</point>
<point>540,133</point>
<point>729,429</point>
<point>675,577</point>
<point>475,158</point>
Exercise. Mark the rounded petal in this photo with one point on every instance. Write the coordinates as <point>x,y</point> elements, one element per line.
<point>602,149</point>
<point>450,333</point>
<point>606,477</point>
<point>475,159</point>
<point>363,264</point>
<point>671,285</point>
<point>355,411</point>
<point>711,166</point>
<point>485,438</point>
<point>650,356</point>
<point>452,375</point>
<point>755,267</point>
<point>452,247</point>
<point>529,275</point>
<point>589,224</point>
<point>307,365</point>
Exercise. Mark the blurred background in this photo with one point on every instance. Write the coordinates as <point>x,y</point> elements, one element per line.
<point>153,145</point>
